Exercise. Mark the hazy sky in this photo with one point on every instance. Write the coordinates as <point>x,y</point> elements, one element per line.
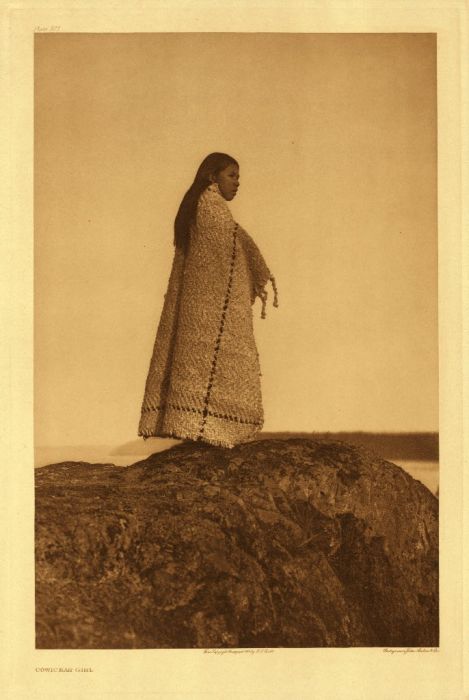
<point>336,139</point>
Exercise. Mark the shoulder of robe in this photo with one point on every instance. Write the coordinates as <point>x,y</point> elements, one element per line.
<point>212,207</point>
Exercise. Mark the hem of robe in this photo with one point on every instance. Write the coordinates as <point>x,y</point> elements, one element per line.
<point>213,429</point>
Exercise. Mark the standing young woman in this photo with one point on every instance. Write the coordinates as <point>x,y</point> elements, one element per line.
<point>204,377</point>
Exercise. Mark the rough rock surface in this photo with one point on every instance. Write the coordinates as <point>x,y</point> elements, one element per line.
<point>276,543</point>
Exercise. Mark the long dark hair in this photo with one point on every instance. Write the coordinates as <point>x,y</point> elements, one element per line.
<point>211,165</point>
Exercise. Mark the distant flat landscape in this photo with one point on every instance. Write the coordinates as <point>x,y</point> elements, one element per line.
<point>408,446</point>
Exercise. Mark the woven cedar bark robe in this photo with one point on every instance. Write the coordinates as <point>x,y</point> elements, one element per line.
<point>204,377</point>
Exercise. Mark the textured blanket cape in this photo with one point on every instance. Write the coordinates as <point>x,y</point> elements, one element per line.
<point>204,377</point>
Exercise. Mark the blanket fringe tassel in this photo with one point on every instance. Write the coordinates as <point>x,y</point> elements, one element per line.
<point>262,293</point>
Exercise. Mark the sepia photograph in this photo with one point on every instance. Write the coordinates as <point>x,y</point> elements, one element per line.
<point>236,384</point>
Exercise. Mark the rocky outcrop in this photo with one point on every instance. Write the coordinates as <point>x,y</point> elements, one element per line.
<point>276,543</point>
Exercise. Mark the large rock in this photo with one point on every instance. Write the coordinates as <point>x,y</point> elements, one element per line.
<point>277,543</point>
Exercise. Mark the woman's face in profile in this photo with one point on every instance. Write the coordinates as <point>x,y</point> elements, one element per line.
<point>228,181</point>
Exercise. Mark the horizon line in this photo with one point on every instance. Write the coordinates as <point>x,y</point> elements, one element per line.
<point>289,432</point>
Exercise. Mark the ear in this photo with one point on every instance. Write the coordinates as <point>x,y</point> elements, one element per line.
<point>212,178</point>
